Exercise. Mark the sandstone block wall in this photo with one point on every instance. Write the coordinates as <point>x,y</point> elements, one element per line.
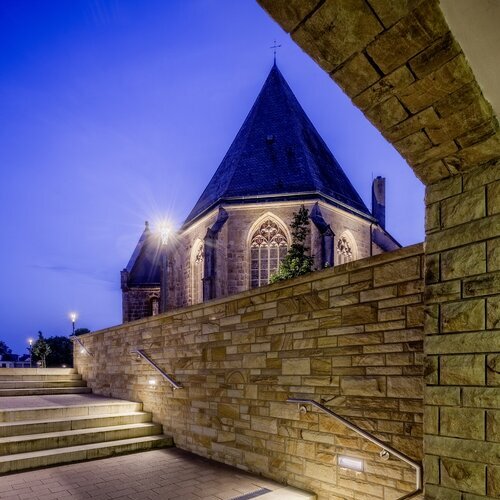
<point>350,337</point>
<point>462,344</point>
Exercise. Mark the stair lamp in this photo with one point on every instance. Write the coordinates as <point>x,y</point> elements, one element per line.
<point>350,463</point>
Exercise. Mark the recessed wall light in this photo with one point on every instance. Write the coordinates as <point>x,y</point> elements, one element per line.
<point>351,463</point>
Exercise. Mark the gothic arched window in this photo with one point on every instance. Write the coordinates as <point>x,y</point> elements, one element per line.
<point>268,248</point>
<point>197,266</point>
<point>155,306</point>
<point>346,249</point>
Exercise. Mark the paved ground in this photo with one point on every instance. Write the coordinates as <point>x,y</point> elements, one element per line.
<point>165,474</point>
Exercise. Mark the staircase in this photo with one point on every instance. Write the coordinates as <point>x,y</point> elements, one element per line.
<point>48,417</point>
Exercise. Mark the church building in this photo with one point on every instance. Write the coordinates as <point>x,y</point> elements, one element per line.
<point>239,230</point>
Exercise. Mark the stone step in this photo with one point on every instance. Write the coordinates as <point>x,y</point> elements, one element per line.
<point>24,461</point>
<point>34,376</point>
<point>38,371</point>
<point>53,390</point>
<point>64,411</point>
<point>37,384</point>
<point>25,427</point>
<point>50,440</point>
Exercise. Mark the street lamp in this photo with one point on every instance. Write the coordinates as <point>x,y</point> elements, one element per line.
<point>30,342</point>
<point>164,230</point>
<point>72,317</point>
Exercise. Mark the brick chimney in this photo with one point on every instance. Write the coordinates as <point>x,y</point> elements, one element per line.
<point>378,200</point>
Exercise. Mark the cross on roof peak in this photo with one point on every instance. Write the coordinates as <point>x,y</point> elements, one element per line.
<point>274,47</point>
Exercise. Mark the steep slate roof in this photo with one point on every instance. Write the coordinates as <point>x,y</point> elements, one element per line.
<point>277,151</point>
<point>143,266</point>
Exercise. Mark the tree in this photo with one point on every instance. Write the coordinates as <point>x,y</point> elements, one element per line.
<point>297,261</point>
<point>61,351</point>
<point>41,349</point>
<point>5,351</point>
<point>81,331</point>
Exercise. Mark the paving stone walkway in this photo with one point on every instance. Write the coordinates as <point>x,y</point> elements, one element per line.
<point>164,474</point>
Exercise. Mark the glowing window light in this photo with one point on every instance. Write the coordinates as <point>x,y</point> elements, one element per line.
<point>152,382</point>
<point>351,463</point>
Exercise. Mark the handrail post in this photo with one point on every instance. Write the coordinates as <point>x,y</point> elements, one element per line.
<point>74,337</point>
<point>167,377</point>
<point>385,447</point>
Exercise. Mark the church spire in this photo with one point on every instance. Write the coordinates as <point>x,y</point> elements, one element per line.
<point>278,152</point>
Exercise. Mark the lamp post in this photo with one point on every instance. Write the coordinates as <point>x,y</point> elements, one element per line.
<point>30,342</point>
<point>72,317</point>
<point>164,235</point>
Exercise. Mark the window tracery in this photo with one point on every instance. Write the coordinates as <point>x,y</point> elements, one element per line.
<point>345,249</point>
<point>268,248</point>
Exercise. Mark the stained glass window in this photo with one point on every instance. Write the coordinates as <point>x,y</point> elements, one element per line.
<point>267,249</point>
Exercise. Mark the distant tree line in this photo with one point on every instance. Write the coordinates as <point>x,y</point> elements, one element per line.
<point>51,352</point>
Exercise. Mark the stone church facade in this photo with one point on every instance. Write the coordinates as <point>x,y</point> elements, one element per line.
<point>239,230</point>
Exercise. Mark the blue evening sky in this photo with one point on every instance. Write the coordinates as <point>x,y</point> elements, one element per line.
<point>113,112</point>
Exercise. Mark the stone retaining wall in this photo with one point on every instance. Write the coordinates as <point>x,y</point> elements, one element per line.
<point>350,337</point>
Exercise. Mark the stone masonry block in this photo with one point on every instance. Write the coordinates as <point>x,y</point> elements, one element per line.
<point>463,476</point>
<point>493,368</point>
<point>461,343</point>
<point>460,123</point>
<point>387,114</point>
<point>432,268</point>
<point>413,144</point>
<point>363,386</point>
<point>485,284</point>
<point>463,208</point>
<point>471,232</point>
<point>467,315</point>
<point>481,397</point>
<point>493,481</point>
<point>337,30</point>
<point>356,75</point>
<point>396,272</point>
<point>405,387</point>
<point>390,12</point>
<point>434,56</point>
<point>425,118</point>
<point>357,315</point>
<point>443,189</point>
<point>493,254</point>
<point>493,425</point>
<point>458,100</point>
<point>467,369</point>
<point>463,261</point>
<point>477,154</point>
<point>481,133</point>
<point>482,175</point>
<point>436,85</point>
<point>296,366</point>
<point>384,88</point>
<point>494,198</point>
<point>462,422</point>
<point>288,13</point>
<point>432,217</point>
<point>408,37</point>
<point>493,312</point>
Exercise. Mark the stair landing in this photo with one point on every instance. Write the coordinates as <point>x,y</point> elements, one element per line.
<point>166,474</point>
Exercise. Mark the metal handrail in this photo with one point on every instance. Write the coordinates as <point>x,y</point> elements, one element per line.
<point>386,449</point>
<point>167,377</point>
<point>74,337</point>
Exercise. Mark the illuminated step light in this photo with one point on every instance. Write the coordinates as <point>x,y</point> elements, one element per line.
<point>152,381</point>
<point>351,463</point>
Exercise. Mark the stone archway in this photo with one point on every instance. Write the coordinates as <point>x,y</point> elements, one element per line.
<point>401,65</point>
